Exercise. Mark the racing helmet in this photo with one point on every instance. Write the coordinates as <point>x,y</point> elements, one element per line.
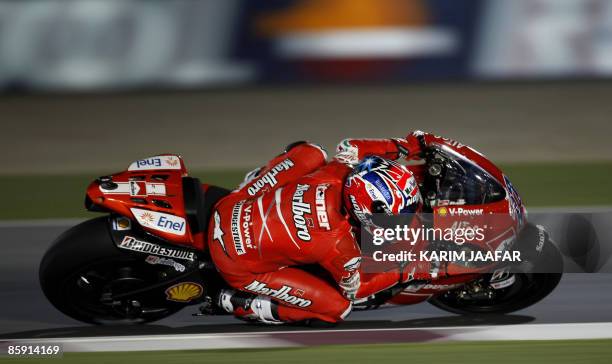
<point>379,188</point>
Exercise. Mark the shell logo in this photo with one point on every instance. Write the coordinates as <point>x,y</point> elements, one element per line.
<point>184,292</point>
<point>443,211</point>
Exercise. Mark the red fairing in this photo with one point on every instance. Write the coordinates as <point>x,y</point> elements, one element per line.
<point>150,192</point>
<point>512,206</point>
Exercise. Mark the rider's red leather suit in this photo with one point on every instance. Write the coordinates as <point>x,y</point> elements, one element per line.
<point>292,214</point>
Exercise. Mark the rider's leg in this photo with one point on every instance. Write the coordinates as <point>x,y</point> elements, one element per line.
<point>287,295</point>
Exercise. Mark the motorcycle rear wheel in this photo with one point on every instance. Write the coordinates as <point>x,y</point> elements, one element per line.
<point>83,269</point>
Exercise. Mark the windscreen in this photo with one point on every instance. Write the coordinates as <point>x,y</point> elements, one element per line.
<point>464,182</point>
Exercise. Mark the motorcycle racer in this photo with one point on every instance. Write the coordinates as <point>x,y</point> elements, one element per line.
<point>304,238</point>
<point>300,212</point>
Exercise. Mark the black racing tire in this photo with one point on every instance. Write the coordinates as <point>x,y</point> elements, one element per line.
<point>527,289</point>
<point>83,249</point>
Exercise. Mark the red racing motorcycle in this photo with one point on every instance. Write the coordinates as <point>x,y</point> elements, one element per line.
<point>144,259</point>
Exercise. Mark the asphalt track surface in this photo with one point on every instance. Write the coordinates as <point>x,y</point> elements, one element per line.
<point>25,312</point>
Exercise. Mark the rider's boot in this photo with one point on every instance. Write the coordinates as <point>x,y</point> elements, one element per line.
<point>249,307</point>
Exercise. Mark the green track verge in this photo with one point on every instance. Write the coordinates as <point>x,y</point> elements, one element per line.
<point>540,184</point>
<point>500,352</point>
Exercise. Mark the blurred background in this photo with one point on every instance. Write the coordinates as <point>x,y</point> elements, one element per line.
<point>87,86</point>
<point>79,45</point>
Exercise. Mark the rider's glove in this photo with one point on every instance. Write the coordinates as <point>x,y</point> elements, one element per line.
<point>350,285</point>
<point>410,146</point>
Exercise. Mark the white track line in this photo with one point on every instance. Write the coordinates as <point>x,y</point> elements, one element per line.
<point>572,331</point>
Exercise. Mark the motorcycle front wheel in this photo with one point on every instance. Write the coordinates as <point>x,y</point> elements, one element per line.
<point>481,297</point>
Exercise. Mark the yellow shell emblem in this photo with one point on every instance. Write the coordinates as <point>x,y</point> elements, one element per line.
<point>443,211</point>
<point>184,292</point>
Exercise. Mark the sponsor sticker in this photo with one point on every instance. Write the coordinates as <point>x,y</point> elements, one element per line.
<point>299,208</point>
<point>235,228</point>
<point>268,179</point>
<point>167,223</point>
<point>541,238</point>
<point>459,211</point>
<point>502,278</point>
<point>412,191</point>
<point>245,226</point>
<point>505,283</point>
<point>131,243</point>
<point>155,260</point>
<point>436,287</point>
<point>157,162</point>
<point>379,185</point>
<point>241,226</point>
<point>136,188</point>
<point>281,294</point>
<point>500,274</point>
<point>121,188</point>
<point>453,143</point>
<point>184,292</point>
<point>321,207</point>
<point>141,188</point>
<point>515,202</point>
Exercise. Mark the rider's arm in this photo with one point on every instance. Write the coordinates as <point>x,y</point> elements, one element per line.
<point>298,160</point>
<point>351,151</point>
